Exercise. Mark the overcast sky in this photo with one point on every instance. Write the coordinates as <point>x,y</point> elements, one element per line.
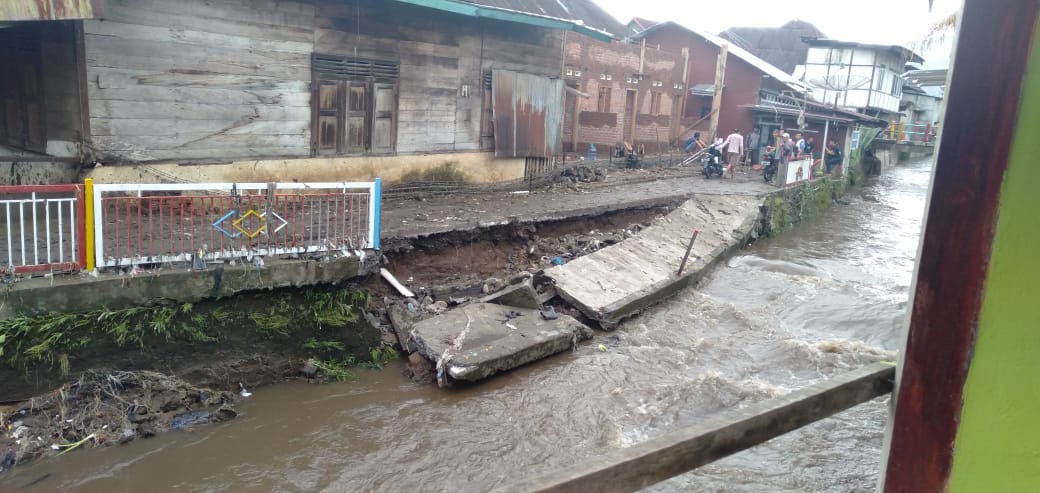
<point>869,21</point>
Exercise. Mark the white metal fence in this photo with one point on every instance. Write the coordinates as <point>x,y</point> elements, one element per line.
<point>41,228</point>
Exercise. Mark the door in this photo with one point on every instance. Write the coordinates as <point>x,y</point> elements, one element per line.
<point>630,117</point>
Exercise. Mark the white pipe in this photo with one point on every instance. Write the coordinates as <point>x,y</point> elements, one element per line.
<point>393,282</point>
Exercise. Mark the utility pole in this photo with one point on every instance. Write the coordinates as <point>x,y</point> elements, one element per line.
<point>716,101</point>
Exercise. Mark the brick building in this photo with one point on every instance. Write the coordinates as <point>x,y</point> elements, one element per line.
<point>747,78</point>
<point>621,93</point>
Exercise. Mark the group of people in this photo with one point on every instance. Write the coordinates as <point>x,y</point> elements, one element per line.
<point>785,149</point>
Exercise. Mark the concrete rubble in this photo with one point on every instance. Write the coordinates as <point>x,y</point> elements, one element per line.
<point>495,338</point>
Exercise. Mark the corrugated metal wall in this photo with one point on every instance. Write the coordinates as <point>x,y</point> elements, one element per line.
<point>528,114</point>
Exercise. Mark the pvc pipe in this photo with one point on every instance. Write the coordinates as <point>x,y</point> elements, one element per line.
<point>393,282</point>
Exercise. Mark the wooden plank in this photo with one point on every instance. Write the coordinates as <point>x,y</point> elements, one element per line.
<point>716,437</point>
<point>108,77</point>
<point>216,17</point>
<point>194,111</point>
<point>178,36</point>
<point>982,106</point>
<point>104,51</point>
<point>294,94</point>
<point>134,127</point>
<point>184,143</point>
<point>211,155</point>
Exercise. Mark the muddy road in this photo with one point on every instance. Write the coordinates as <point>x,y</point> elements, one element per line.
<point>785,313</point>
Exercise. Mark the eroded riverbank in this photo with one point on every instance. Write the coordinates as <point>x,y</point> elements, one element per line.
<point>586,385</point>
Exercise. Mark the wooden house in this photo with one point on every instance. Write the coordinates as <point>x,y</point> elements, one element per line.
<point>284,90</point>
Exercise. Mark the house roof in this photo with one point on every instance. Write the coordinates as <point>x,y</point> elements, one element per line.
<point>528,12</point>
<point>639,24</point>
<point>906,52</point>
<point>585,11</point>
<point>783,47</point>
<point>734,50</point>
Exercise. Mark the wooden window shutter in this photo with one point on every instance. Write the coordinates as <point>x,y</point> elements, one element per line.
<point>356,105</point>
<point>383,118</point>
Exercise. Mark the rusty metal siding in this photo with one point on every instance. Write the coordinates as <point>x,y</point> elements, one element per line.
<point>43,10</point>
<point>528,114</point>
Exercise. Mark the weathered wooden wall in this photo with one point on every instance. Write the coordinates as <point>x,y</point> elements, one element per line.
<point>200,80</point>
<point>438,54</point>
<point>221,80</point>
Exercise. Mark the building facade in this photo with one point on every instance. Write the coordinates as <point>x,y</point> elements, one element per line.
<point>858,76</point>
<point>301,90</point>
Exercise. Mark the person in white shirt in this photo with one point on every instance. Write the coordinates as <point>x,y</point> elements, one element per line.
<point>735,147</point>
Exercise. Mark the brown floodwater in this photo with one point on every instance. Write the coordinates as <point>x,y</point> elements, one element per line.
<point>788,312</point>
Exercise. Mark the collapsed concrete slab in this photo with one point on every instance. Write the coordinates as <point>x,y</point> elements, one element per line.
<point>624,278</point>
<point>498,338</point>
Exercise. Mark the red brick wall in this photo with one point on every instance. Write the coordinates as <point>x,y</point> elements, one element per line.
<point>742,81</point>
<point>594,60</point>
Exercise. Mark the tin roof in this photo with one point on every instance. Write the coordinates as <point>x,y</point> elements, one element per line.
<point>760,64</point>
<point>581,16</point>
<point>586,11</point>
<point>906,52</point>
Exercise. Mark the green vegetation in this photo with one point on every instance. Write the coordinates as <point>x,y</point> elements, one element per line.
<point>799,203</point>
<point>383,355</point>
<point>855,171</point>
<point>29,341</point>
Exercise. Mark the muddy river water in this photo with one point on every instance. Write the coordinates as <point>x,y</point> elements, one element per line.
<point>785,313</point>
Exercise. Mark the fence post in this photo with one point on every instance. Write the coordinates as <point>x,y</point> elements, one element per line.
<point>374,212</point>
<point>88,224</point>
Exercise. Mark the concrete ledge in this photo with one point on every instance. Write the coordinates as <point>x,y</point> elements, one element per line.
<point>84,293</point>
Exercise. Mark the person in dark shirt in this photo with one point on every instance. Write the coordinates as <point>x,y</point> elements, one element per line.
<point>833,156</point>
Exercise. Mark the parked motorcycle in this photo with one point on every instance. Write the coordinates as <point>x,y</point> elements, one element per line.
<point>711,163</point>
<point>769,170</point>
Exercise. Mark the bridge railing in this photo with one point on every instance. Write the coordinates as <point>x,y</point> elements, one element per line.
<point>41,228</point>
<point>149,224</point>
<point>923,133</point>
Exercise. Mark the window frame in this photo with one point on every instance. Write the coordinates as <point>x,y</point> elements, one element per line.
<point>655,102</point>
<point>603,103</point>
<point>350,76</point>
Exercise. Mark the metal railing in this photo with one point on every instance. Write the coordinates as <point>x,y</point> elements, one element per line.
<point>149,224</point>
<point>41,228</point>
<point>911,132</point>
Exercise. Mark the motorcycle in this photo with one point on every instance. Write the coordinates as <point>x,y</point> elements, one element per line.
<point>711,163</point>
<point>769,170</point>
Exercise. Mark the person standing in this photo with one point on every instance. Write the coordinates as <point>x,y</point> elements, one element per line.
<point>799,142</point>
<point>810,147</point>
<point>735,148</point>
<point>754,139</point>
<point>833,156</point>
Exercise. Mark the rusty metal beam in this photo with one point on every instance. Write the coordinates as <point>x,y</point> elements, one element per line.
<point>50,10</point>
<point>716,437</point>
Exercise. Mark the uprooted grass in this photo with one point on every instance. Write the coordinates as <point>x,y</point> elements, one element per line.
<point>51,339</point>
<point>108,407</point>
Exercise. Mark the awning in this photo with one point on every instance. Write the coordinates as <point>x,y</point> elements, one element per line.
<point>845,117</point>
<point>485,12</point>
<point>703,90</point>
<point>49,10</point>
